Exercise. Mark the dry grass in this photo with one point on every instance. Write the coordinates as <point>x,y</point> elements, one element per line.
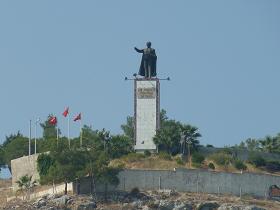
<point>152,162</point>
<point>5,190</point>
<point>157,163</point>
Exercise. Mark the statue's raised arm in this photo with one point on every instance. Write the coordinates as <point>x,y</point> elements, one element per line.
<point>139,51</point>
<point>148,62</point>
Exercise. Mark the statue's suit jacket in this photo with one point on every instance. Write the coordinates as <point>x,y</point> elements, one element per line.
<point>149,54</point>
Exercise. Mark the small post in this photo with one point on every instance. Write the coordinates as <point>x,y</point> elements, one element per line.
<point>159,182</point>
<point>240,192</point>
<point>218,190</point>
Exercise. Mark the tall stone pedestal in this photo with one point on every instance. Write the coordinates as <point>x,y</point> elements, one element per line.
<point>146,113</point>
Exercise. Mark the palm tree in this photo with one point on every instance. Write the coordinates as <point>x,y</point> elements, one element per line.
<point>25,183</point>
<point>190,136</point>
<point>269,144</point>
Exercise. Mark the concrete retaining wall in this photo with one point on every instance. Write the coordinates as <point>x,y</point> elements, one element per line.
<point>185,180</point>
<point>26,165</point>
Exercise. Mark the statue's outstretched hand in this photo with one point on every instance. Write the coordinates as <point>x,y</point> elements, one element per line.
<point>135,48</point>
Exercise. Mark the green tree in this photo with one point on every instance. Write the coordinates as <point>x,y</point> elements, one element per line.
<point>11,137</point>
<point>168,137</point>
<point>2,158</point>
<point>119,145</point>
<point>91,139</point>
<point>128,128</point>
<point>269,144</point>
<point>45,161</point>
<point>190,134</point>
<point>49,130</point>
<point>68,165</point>
<point>252,144</point>
<point>14,147</point>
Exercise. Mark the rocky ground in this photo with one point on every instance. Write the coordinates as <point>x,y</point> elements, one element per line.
<point>164,200</point>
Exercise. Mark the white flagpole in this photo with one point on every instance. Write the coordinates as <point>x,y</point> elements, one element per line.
<point>68,128</point>
<point>29,143</point>
<point>57,136</point>
<point>36,123</point>
<point>35,149</point>
<point>81,134</point>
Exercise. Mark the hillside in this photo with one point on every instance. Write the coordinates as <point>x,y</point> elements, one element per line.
<point>165,161</point>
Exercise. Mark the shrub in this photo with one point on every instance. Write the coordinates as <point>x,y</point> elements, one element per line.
<point>198,158</point>
<point>211,166</point>
<point>135,191</point>
<point>273,166</point>
<point>226,150</point>
<point>239,164</point>
<point>221,158</point>
<point>164,155</point>
<point>44,162</point>
<point>147,153</point>
<point>209,145</point>
<point>256,160</point>
<point>133,157</point>
<point>179,161</point>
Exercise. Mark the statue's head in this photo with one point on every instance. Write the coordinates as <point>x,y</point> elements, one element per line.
<point>149,44</point>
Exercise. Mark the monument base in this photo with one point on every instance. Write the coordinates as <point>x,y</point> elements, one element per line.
<point>146,113</point>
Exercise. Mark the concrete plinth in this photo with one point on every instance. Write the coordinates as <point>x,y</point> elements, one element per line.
<point>146,113</point>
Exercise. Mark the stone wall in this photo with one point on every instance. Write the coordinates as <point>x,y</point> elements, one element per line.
<point>26,165</point>
<point>185,180</point>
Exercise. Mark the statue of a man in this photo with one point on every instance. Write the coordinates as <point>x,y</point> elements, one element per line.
<point>148,62</point>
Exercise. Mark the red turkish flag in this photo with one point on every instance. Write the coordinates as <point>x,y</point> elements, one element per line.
<point>78,117</point>
<point>66,112</point>
<point>53,120</point>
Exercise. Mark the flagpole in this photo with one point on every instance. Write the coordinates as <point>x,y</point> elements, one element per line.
<point>35,149</point>
<point>29,143</point>
<point>57,136</point>
<point>81,134</point>
<point>68,134</point>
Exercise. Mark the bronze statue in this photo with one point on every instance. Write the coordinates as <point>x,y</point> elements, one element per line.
<point>148,62</point>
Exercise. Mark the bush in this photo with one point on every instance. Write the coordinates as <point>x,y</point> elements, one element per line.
<point>164,155</point>
<point>239,164</point>
<point>256,159</point>
<point>209,145</point>
<point>273,166</point>
<point>179,161</point>
<point>135,191</point>
<point>147,153</point>
<point>211,166</point>
<point>44,162</point>
<point>221,158</point>
<point>198,158</point>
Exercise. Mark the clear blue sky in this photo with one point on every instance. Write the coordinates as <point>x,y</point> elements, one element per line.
<point>223,58</point>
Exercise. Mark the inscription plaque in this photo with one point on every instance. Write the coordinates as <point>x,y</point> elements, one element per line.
<point>146,93</point>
